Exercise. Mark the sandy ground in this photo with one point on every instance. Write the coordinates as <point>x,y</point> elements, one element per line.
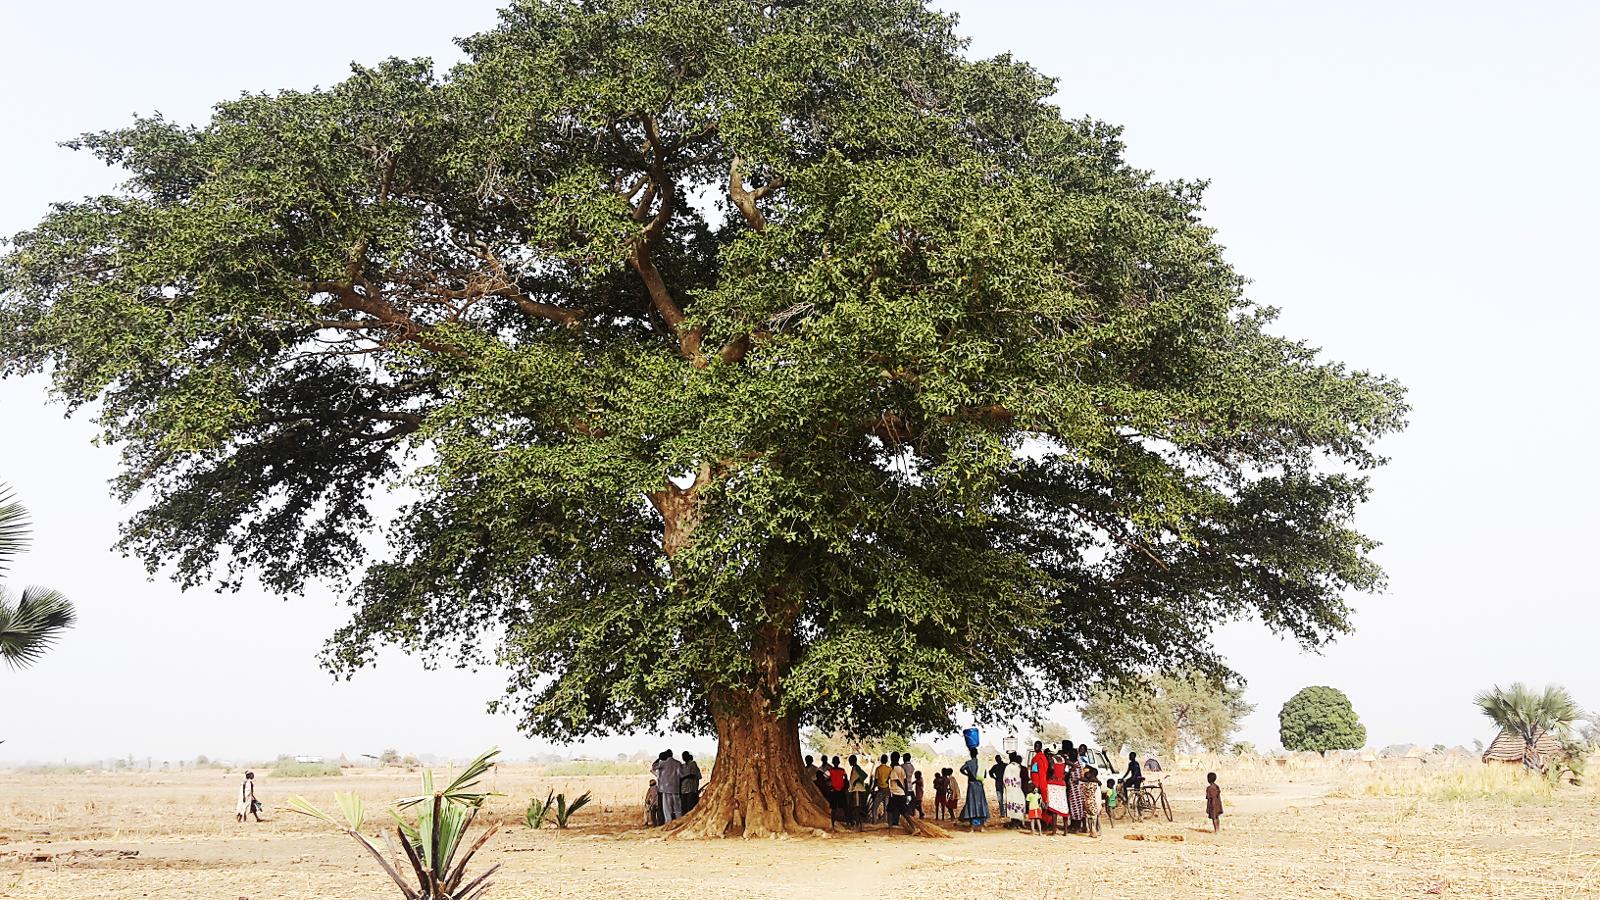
<point>103,835</point>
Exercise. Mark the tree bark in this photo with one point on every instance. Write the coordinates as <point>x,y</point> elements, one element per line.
<point>757,788</point>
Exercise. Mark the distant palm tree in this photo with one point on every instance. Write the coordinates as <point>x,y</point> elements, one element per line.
<point>30,623</point>
<point>1530,714</point>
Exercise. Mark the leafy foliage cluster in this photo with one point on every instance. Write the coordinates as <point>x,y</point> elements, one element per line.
<point>1320,719</point>
<point>1168,714</point>
<point>729,348</point>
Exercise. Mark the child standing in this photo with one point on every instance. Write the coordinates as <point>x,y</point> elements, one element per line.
<point>1035,807</point>
<point>952,794</point>
<point>1213,802</point>
<point>1089,787</point>
<point>652,805</point>
<point>1110,795</point>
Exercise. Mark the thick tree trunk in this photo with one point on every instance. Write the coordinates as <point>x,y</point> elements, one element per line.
<point>757,788</point>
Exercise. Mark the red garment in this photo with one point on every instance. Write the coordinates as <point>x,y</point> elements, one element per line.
<point>1059,777</point>
<point>1039,772</point>
<point>836,778</point>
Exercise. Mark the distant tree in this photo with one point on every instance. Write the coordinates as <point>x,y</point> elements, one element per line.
<point>390,757</point>
<point>1528,713</point>
<point>1168,713</point>
<point>1050,733</point>
<point>1320,719</point>
<point>841,744</point>
<point>1590,732</point>
<point>32,621</point>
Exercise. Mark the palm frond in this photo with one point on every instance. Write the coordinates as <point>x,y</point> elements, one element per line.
<point>461,788</point>
<point>304,807</point>
<point>31,624</point>
<point>13,527</point>
<point>565,811</point>
<point>1530,714</point>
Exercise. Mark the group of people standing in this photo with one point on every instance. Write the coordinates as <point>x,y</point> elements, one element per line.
<point>674,788</point>
<point>893,791</point>
<point>1056,789</point>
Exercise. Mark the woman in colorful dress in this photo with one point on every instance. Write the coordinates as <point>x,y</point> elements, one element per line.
<point>1089,787</point>
<point>1072,776</point>
<point>976,810</point>
<point>1057,800</point>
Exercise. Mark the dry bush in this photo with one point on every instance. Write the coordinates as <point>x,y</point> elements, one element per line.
<point>1491,783</point>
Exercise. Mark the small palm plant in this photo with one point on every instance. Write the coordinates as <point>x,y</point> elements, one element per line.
<point>30,623</point>
<point>539,809</point>
<point>1530,714</point>
<point>564,812</point>
<point>431,836</point>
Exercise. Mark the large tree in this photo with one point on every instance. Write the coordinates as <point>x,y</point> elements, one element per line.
<point>751,364</point>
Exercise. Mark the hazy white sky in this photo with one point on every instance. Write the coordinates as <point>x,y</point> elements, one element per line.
<point>1413,184</point>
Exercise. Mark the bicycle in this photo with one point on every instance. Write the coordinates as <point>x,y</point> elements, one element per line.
<point>1146,799</point>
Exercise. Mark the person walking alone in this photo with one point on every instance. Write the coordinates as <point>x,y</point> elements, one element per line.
<point>248,805</point>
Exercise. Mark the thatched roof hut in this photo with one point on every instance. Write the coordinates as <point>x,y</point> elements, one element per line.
<point>1508,747</point>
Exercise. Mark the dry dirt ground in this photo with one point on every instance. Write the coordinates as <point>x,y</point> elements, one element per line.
<point>104,835</point>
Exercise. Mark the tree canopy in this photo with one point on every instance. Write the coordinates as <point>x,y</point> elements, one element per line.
<point>1170,713</point>
<point>732,352</point>
<point>1320,719</point>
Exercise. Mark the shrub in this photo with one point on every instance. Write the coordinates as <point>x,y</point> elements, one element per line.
<point>289,768</point>
<point>1320,719</point>
<point>1484,783</point>
<point>538,809</point>
<point>582,768</point>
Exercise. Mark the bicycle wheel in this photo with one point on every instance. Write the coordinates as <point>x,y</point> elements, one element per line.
<point>1165,806</point>
<point>1145,805</point>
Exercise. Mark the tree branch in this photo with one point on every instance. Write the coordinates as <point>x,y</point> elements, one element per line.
<point>745,198</point>
<point>661,184</point>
